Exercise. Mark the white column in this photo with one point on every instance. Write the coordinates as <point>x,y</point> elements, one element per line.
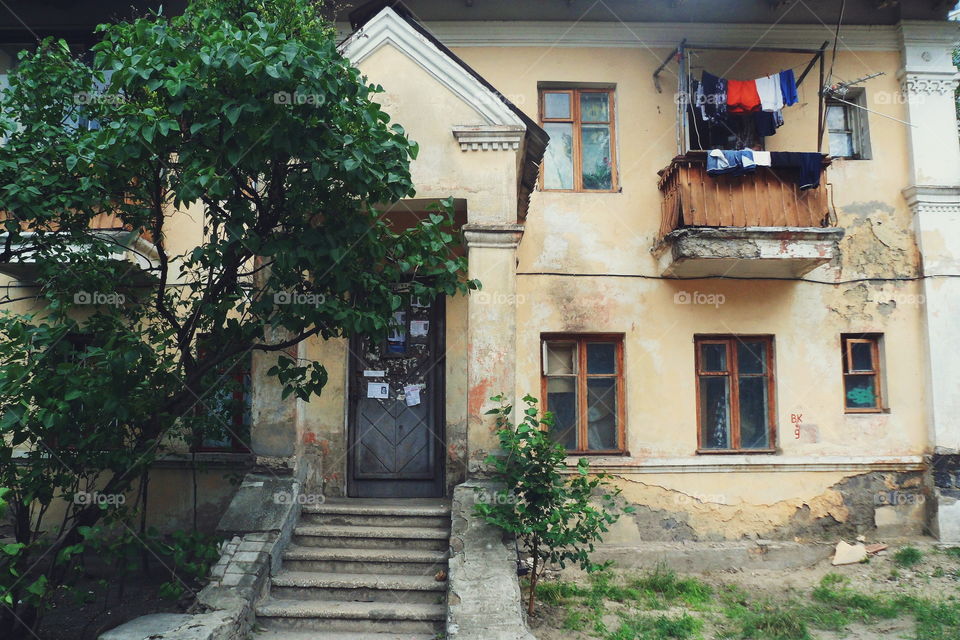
<point>928,79</point>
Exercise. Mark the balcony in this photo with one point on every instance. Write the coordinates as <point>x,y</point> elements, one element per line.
<point>131,245</point>
<point>760,225</point>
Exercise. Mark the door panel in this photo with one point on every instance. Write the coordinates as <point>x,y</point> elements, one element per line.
<point>396,441</point>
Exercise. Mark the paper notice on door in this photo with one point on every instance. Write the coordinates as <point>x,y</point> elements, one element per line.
<point>373,373</point>
<point>379,390</point>
<point>419,328</point>
<point>411,394</point>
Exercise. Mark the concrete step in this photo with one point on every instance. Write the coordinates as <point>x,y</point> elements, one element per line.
<point>378,514</point>
<point>343,536</point>
<point>338,635</point>
<point>413,562</point>
<point>357,587</point>
<point>365,617</point>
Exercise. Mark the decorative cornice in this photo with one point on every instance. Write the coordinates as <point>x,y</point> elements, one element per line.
<point>388,28</point>
<point>489,138</point>
<point>928,199</point>
<point>644,35</point>
<point>492,236</point>
<point>928,84</point>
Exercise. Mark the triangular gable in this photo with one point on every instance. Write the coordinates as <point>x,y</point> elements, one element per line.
<point>388,27</point>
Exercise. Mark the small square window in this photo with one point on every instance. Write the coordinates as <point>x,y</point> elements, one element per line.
<point>862,383</point>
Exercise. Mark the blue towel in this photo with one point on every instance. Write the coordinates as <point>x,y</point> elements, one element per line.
<point>788,86</point>
<point>726,162</point>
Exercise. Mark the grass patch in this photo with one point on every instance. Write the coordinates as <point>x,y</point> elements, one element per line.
<point>664,584</point>
<point>907,557</point>
<point>644,627</point>
<point>952,551</point>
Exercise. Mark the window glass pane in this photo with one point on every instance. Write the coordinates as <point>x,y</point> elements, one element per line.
<point>836,116</point>
<point>841,144</point>
<point>561,358</point>
<point>601,413</point>
<point>862,354</point>
<point>595,107</point>
<point>861,392</point>
<point>562,403</point>
<point>713,357</point>
<point>715,412</point>
<point>751,356</point>
<point>754,433</point>
<point>601,357</point>
<point>556,105</point>
<point>558,162</point>
<point>597,167</point>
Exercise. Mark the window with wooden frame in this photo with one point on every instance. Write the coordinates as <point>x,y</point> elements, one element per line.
<point>582,385</point>
<point>862,384</point>
<point>223,416</point>
<point>735,394</point>
<point>848,127</point>
<point>581,154</point>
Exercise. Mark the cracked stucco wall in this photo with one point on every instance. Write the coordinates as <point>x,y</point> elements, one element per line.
<point>806,506</point>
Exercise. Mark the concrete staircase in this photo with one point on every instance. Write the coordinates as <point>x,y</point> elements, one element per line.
<point>362,569</point>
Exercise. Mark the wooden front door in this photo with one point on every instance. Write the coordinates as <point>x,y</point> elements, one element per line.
<point>396,423</point>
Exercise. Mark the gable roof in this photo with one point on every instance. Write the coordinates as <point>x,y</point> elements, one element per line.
<point>389,21</point>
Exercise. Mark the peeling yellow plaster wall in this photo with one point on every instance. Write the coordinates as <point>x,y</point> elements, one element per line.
<point>731,505</point>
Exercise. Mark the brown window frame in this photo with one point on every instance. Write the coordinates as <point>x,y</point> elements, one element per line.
<point>241,373</point>
<point>581,375</point>
<point>873,339</point>
<point>577,123</point>
<point>733,373</point>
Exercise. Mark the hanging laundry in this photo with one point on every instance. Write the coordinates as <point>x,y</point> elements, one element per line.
<point>742,96</point>
<point>788,87</point>
<point>809,165</point>
<point>771,96</point>
<point>722,162</point>
<point>767,122</point>
<point>712,97</point>
<point>762,158</point>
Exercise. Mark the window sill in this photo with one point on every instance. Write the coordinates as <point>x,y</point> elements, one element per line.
<point>591,191</point>
<point>573,455</point>
<point>749,463</point>
<point>736,452</point>
<point>860,412</point>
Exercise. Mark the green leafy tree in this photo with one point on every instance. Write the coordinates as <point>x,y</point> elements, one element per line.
<point>556,516</point>
<point>244,114</point>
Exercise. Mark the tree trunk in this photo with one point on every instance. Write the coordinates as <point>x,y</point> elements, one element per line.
<point>531,602</point>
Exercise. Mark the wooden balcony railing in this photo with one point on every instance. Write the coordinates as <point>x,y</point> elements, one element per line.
<point>767,198</point>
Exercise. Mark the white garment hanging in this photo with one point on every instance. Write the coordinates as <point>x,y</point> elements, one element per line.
<point>771,96</point>
<point>762,158</point>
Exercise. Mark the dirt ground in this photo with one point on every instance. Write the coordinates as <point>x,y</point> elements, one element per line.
<point>907,595</point>
<point>107,606</point>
